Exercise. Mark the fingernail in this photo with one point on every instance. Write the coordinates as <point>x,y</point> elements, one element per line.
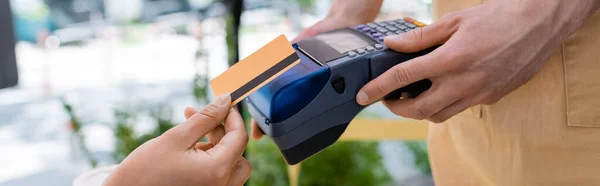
<point>362,98</point>
<point>223,99</point>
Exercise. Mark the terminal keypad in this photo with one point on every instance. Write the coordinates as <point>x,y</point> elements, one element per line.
<point>379,30</point>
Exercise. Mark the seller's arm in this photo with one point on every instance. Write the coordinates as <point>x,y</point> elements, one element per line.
<point>488,51</point>
<point>344,13</point>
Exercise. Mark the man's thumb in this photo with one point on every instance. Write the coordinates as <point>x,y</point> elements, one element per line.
<point>420,38</point>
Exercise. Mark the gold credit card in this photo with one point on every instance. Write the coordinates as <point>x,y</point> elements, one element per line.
<point>256,70</point>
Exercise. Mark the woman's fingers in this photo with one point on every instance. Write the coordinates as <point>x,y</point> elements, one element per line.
<point>233,144</point>
<point>240,173</point>
<point>204,146</point>
<point>213,136</point>
<point>187,134</point>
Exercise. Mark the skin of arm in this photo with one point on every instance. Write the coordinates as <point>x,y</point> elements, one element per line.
<point>344,13</point>
<point>487,52</point>
<point>355,11</point>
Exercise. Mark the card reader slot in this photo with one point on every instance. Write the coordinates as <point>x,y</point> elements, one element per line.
<point>310,56</point>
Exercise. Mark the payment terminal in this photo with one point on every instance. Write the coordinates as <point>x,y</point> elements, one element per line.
<point>308,107</point>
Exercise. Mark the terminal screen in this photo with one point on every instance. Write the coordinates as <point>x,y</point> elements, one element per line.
<point>344,40</point>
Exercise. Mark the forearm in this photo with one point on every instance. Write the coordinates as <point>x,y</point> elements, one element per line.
<point>355,11</point>
<point>559,19</point>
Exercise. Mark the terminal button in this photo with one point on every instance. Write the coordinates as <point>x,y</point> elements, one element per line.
<point>381,29</point>
<point>361,51</point>
<point>392,28</point>
<point>351,54</point>
<point>377,34</point>
<point>378,46</point>
<point>401,26</point>
<point>372,25</point>
<point>370,49</point>
<point>382,24</point>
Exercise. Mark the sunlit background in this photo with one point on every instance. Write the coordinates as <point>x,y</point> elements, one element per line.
<point>99,77</point>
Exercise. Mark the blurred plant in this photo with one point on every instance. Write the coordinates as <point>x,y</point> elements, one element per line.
<point>75,126</point>
<point>344,163</point>
<point>417,148</point>
<point>306,4</point>
<point>126,138</point>
<point>268,167</point>
<point>124,133</point>
<point>421,154</point>
<point>231,40</point>
<point>232,28</point>
<point>201,83</point>
<point>201,78</point>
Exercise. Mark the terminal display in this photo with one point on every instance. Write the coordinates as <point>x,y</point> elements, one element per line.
<point>344,40</point>
<point>326,47</point>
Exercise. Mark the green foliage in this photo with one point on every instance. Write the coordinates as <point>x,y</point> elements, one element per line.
<point>127,140</point>
<point>268,167</point>
<point>419,150</point>
<point>125,135</point>
<point>76,125</point>
<point>346,163</point>
<point>306,4</point>
<point>201,84</point>
<point>231,40</point>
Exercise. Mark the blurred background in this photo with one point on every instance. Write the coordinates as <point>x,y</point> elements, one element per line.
<point>97,78</point>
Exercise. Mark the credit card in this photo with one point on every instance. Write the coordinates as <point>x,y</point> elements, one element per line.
<point>256,70</point>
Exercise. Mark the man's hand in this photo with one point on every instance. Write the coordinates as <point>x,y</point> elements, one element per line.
<point>487,52</point>
<point>177,158</point>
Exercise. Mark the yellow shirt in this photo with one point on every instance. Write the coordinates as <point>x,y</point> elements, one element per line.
<point>547,132</point>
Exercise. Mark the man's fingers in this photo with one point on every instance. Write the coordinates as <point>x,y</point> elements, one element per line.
<point>403,74</point>
<point>319,27</point>
<point>257,133</point>
<point>422,38</point>
<point>198,125</point>
<point>213,136</point>
<point>451,110</point>
<point>233,144</point>
<point>240,173</point>
<point>440,95</point>
<point>302,35</point>
<point>308,32</point>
